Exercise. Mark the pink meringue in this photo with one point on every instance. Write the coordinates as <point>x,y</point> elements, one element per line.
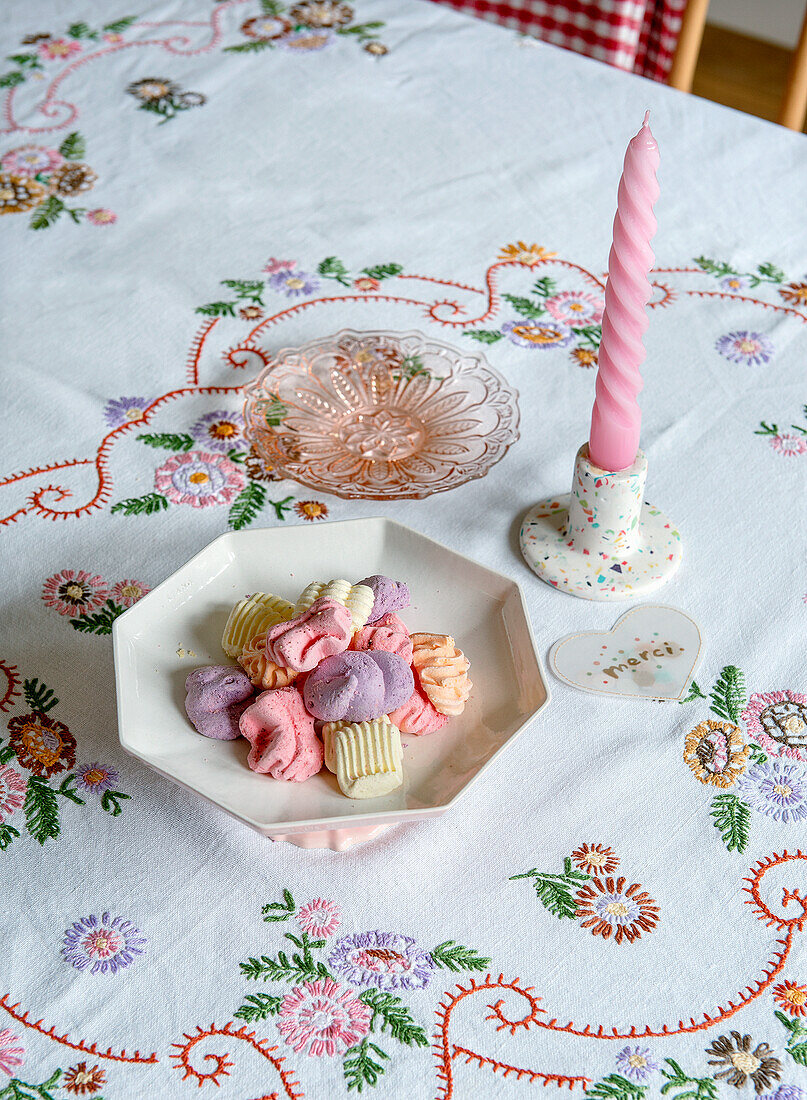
<point>389,633</point>
<point>282,736</point>
<point>301,643</point>
<point>417,715</point>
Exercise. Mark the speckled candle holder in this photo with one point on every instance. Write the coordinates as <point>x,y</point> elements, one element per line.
<point>601,542</point>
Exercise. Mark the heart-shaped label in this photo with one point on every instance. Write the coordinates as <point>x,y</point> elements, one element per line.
<point>650,652</point>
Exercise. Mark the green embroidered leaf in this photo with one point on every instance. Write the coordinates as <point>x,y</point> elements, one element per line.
<point>694,693</point>
<point>251,47</point>
<point>41,809</point>
<point>279,910</point>
<point>81,30</point>
<point>120,25</point>
<point>136,506</point>
<point>757,755</point>
<point>544,287</point>
<point>728,694</point>
<point>793,1026</point>
<point>7,835</point>
<point>271,7</point>
<point>359,1067</point>
<point>555,891</point>
<point>168,440</point>
<point>771,274</point>
<point>525,306</point>
<point>281,506</point>
<point>251,289</point>
<point>67,791</point>
<point>218,309</point>
<point>411,367</point>
<point>38,696</point>
<point>453,956</point>
<point>333,268</point>
<point>258,1006</point>
<point>484,336</point>
<point>25,60</point>
<point>10,80</point>
<point>395,1016</point>
<point>616,1087</point>
<point>766,429</point>
<point>237,456</point>
<point>705,1087</point>
<point>247,505</point>
<point>14,1089</point>
<point>73,147</point>
<point>732,818</point>
<point>302,967</point>
<point>47,213</point>
<point>110,801</point>
<point>591,335</point>
<point>362,31</point>
<point>100,622</point>
<point>712,268</point>
<point>798,1053</point>
<point>382,271</point>
<point>6,753</point>
<point>76,212</point>
<point>275,411</point>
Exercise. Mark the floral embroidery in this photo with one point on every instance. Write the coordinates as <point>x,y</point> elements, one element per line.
<point>527,254</point>
<point>796,1042</point>
<point>786,1092</point>
<point>795,293</point>
<point>12,1053</point>
<point>608,908</point>
<point>101,216</point>
<point>538,334</point>
<point>595,859</point>
<point>715,752</point>
<point>74,592</point>
<point>377,49</point>
<point>311,25</point>
<point>200,479</point>
<point>776,789</point>
<point>274,265</point>
<point>765,273</point>
<point>163,97</point>
<point>294,284</point>
<point>219,431</point>
<point>82,1081</point>
<point>585,357</point>
<point>635,1063</point>
<point>127,593</point>
<point>29,160</point>
<point>739,1061</point>
<point>18,194</point>
<point>58,49</point>
<point>322,13</point>
<point>306,40</point>
<point>105,945</point>
<point>386,960</point>
<point>311,509</point>
<point>319,918</point>
<point>745,347</point>
<point>38,178</point>
<point>735,283</point>
<point>96,778</point>
<point>792,997</point>
<point>50,48</point>
<point>265,27</point>
<point>250,313</point>
<point>12,792</point>
<point>366,284</point>
<point>321,1018</point>
<point>576,309</point>
<point>785,443</point>
<point>42,745</point>
<point>777,721</point>
<point>122,410</point>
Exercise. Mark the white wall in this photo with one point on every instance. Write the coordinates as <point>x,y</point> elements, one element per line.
<point>774,20</point>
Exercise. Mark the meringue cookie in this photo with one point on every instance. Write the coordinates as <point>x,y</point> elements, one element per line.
<point>417,715</point>
<point>216,697</point>
<point>388,595</point>
<point>282,736</point>
<point>263,673</point>
<point>388,633</point>
<point>442,671</point>
<point>367,757</point>
<point>357,598</point>
<point>301,643</point>
<point>358,687</point>
<point>250,616</point>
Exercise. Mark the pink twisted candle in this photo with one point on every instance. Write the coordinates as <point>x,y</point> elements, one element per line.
<point>616,417</point>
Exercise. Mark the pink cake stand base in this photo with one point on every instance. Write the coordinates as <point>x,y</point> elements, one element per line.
<point>338,840</point>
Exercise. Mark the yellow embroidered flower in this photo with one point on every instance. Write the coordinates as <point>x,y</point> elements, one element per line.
<point>716,754</point>
<point>585,357</point>
<point>527,254</point>
<point>18,194</point>
<point>795,293</point>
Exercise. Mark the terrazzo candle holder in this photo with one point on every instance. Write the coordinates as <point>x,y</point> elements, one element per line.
<point>602,541</point>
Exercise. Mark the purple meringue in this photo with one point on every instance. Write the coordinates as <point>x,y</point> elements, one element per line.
<point>217,695</point>
<point>389,595</point>
<point>357,687</point>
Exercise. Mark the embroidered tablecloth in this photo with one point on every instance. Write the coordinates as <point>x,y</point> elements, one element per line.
<point>619,906</point>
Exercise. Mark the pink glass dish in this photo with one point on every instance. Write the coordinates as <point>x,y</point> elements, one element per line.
<point>380,415</point>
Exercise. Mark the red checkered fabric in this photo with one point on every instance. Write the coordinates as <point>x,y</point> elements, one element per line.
<point>637,35</point>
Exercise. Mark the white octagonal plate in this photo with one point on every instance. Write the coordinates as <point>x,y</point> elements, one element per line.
<point>451,594</point>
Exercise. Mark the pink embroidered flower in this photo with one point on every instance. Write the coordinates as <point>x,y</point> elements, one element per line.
<point>788,444</point>
<point>59,48</point>
<point>28,160</point>
<point>12,1052</point>
<point>200,479</point>
<point>320,918</point>
<point>322,1018</point>
<point>127,593</point>
<point>777,721</point>
<point>113,39</point>
<point>12,792</point>
<point>273,266</point>
<point>366,283</point>
<point>74,592</point>
<point>102,216</point>
<point>576,310</point>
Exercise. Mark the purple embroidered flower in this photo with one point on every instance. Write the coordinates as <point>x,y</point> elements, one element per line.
<point>383,959</point>
<point>745,347</point>
<point>104,944</point>
<point>776,789</point>
<point>786,1092</point>
<point>635,1063</point>
<point>124,409</point>
<point>538,334</point>
<point>219,431</point>
<point>294,283</point>
<point>96,778</point>
<point>734,283</point>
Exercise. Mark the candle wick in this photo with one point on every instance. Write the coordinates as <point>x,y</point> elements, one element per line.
<point>646,119</point>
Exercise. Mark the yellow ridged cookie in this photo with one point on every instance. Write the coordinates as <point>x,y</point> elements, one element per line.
<point>442,670</point>
<point>262,672</point>
<point>367,757</point>
<point>253,615</point>
<point>357,598</point>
